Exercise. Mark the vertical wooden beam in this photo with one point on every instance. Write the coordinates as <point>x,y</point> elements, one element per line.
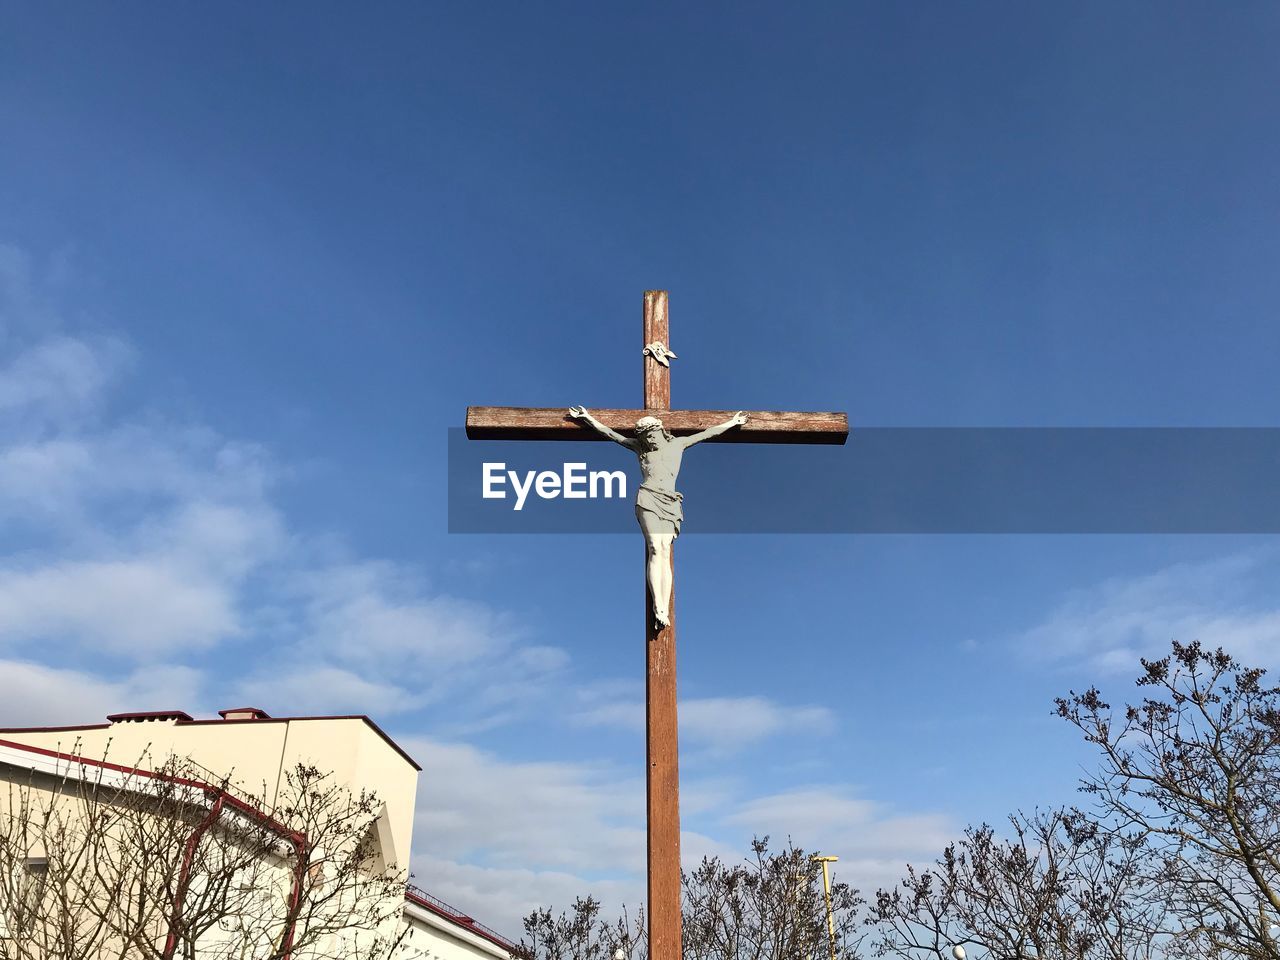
<point>663,784</point>
<point>661,740</point>
<point>657,378</point>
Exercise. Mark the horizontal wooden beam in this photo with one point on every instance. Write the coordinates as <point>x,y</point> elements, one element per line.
<point>554,423</point>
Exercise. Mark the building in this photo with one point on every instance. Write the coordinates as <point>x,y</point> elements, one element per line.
<point>239,767</point>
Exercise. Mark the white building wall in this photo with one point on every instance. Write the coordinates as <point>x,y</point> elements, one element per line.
<point>257,751</point>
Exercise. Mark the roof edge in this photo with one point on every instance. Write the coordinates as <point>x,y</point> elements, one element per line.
<point>185,720</point>
<point>354,716</point>
<point>148,715</point>
<point>70,729</point>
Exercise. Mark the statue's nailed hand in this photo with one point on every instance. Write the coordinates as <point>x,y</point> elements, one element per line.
<point>579,413</point>
<point>738,419</point>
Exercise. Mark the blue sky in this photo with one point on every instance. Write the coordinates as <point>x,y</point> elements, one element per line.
<point>256,261</point>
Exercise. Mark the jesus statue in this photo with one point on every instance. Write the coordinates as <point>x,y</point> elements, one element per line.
<point>657,502</point>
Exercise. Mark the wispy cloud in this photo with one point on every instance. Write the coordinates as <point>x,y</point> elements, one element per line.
<point>500,897</point>
<point>59,379</point>
<point>505,836</point>
<point>38,695</point>
<point>542,815</point>
<point>149,539</point>
<point>872,841</point>
<point>143,538</point>
<point>323,690</point>
<point>1228,602</point>
<point>132,606</point>
<point>716,723</point>
<point>374,630</point>
<point>378,614</point>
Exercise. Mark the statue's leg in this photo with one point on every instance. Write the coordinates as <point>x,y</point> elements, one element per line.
<point>658,537</point>
<point>660,576</point>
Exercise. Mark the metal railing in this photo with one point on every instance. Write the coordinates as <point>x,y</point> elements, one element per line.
<point>413,894</point>
<point>449,912</point>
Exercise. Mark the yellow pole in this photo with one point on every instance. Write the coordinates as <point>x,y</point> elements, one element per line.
<point>826,891</point>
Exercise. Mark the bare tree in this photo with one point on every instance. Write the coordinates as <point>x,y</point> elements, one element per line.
<point>769,907</point>
<point>100,861</point>
<point>1195,767</point>
<point>581,934</point>
<point>1178,858</point>
<point>1057,889</point>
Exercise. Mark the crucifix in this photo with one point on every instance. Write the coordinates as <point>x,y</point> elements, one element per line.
<point>658,435</point>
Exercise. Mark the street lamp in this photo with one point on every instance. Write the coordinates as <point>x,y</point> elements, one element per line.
<point>958,952</point>
<point>826,892</point>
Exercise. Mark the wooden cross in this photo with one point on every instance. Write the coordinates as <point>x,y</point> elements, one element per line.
<point>762,426</point>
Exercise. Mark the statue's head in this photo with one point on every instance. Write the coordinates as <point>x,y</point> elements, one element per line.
<point>645,424</point>
<point>650,428</point>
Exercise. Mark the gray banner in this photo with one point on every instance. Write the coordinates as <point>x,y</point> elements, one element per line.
<point>895,480</point>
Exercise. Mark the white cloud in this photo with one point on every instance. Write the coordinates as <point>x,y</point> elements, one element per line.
<point>128,606</point>
<point>82,483</point>
<point>1110,625</point>
<point>164,579</point>
<point>378,615</point>
<point>205,538</point>
<point>538,815</point>
<point>729,722</point>
<point>58,379</point>
<point>38,695</point>
<point>327,690</point>
<point>373,632</point>
<point>873,843</point>
<point>136,536</point>
<point>143,538</point>
<point>626,715</point>
<point>501,897</point>
<point>41,477</point>
<point>47,377</point>
<point>498,837</point>
<point>717,723</point>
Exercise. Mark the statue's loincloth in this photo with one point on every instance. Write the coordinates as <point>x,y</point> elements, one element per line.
<point>662,504</point>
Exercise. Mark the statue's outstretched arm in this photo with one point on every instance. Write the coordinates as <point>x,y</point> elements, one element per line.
<point>737,420</point>
<point>581,413</point>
